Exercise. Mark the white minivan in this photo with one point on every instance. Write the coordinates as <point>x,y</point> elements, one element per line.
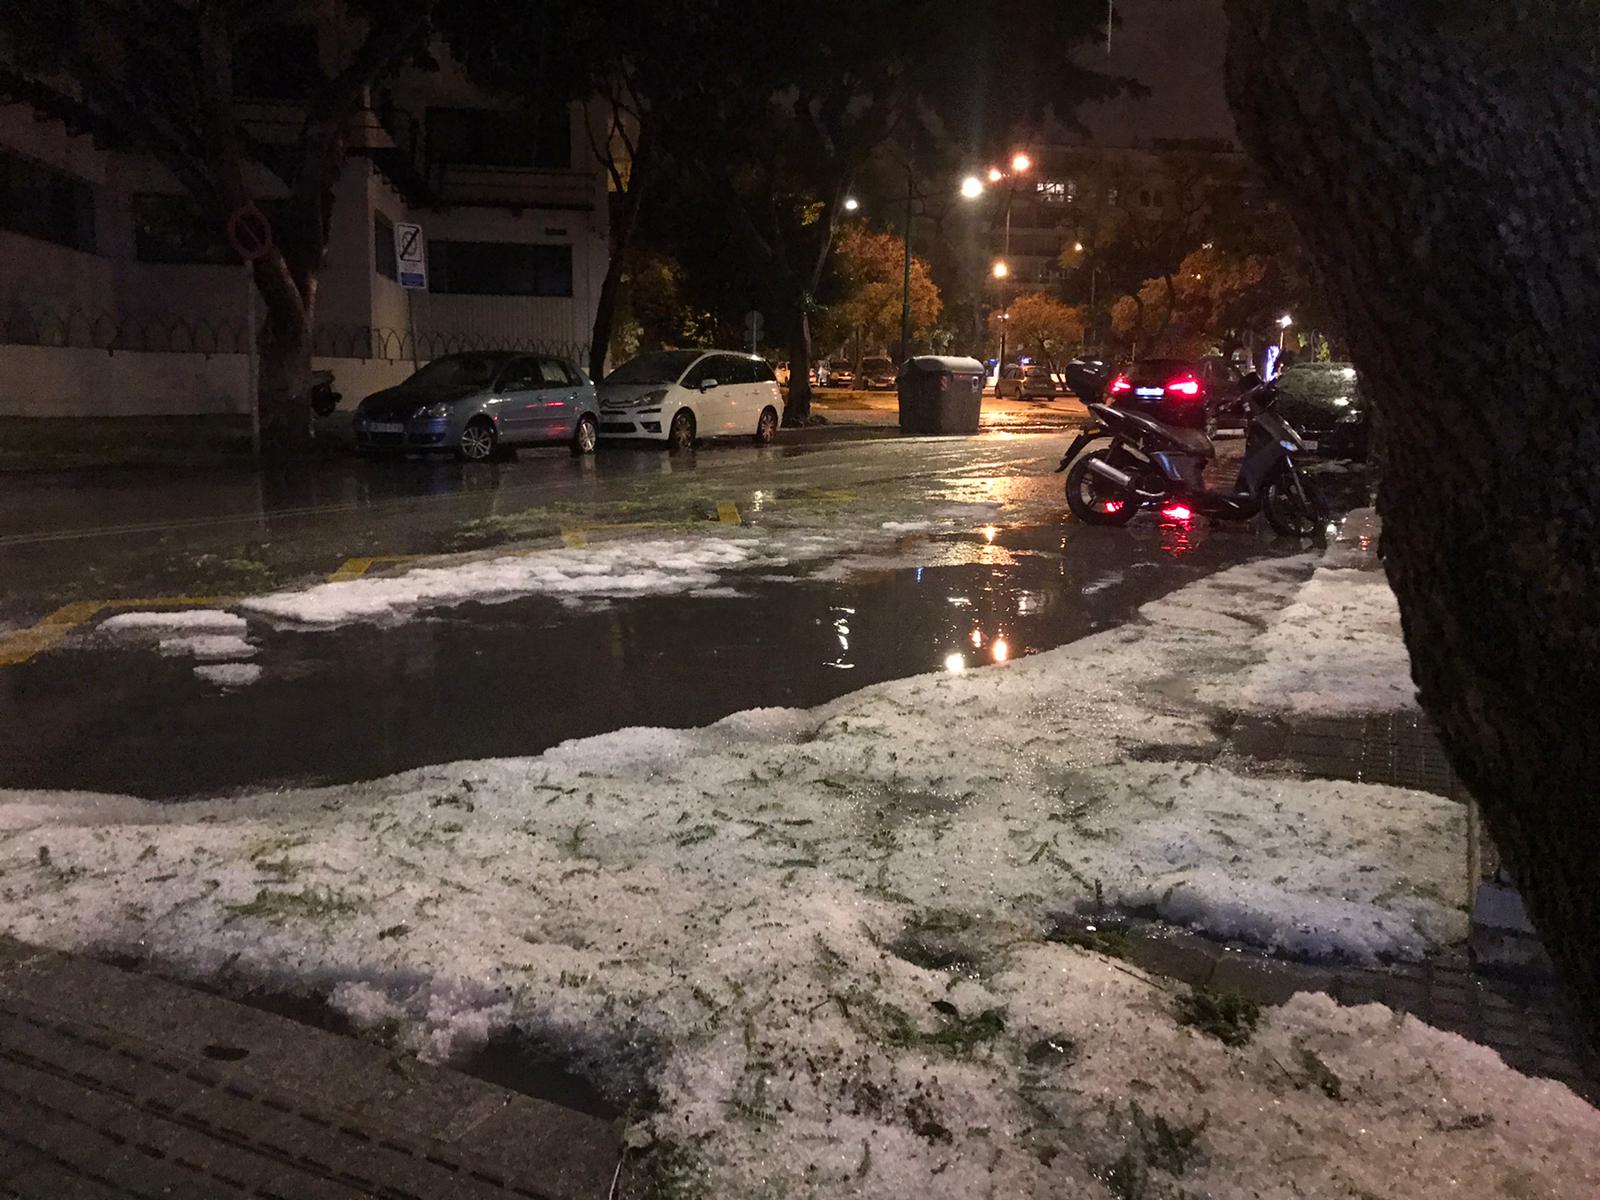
<point>681,396</point>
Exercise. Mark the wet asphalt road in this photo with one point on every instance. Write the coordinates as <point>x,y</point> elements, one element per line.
<point>514,678</point>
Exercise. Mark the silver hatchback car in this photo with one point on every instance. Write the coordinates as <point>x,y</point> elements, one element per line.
<point>473,404</point>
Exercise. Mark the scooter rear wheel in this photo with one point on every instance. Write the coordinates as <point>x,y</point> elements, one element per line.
<point>1095,500</point>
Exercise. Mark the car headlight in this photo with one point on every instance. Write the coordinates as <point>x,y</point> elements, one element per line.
<point>1353,418</point>
<point>1290,446</point>
<point>434,410</point>
<point>656,398</point>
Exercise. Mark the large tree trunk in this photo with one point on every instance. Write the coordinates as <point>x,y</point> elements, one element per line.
<point>1441,165</point>
<point>284,367</point>
<point>797,408</point>
<point>605,313</point>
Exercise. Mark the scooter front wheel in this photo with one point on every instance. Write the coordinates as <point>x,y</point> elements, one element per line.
<point>1293,505</point>
<point>1095,500</point>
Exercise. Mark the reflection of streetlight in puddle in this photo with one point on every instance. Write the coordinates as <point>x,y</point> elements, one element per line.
<point>1001,650</point>
<point>977,639</point>
<point>841,629</point>
<point>955,664</point>
<point>989,533</point>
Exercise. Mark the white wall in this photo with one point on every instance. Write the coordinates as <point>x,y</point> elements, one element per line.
<point>46,381</point>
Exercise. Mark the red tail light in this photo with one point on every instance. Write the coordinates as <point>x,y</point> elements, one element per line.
<point>1119,385</point>
<point>1186,385</point>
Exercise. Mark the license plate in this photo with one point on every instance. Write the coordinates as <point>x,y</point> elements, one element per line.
<point>385,427</point>
<point>1151,393</point>
<point>1312,443</point>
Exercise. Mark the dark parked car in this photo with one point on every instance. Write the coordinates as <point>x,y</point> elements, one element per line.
<point>1324,402</point>
<point>878,373</point>
<point>475,403</point>
<point>1186,392</point>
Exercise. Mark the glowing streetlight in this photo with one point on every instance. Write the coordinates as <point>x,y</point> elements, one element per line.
<point>1001,650</point>
<point>996,174</point>
<point>1077,247</point>
<point>851,204</point>
<point>1285,321</point>
<point>971,187</point>
<point>1001,270</point>
<point>1021,163</point>
<point>955,664</point>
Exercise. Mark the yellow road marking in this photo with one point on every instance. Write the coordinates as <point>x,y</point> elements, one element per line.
<point>355,568</point>
<point>728,512</point>
<point>52,630</point>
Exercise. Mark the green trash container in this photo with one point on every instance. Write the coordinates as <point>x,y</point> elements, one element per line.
<point>940,396</point>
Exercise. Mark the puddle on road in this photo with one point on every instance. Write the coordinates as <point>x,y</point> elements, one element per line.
<point>516,678</point>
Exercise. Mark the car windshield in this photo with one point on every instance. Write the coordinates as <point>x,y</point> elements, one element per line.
<point>877,364</point>
<point>838,364</point>
<point>456,372</point>
<point>662,366</point>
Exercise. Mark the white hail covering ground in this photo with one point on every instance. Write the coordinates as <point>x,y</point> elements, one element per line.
<point>726,909</point>
<point>695,564</point>
<point>192,621</point>
<point>1338,649</point>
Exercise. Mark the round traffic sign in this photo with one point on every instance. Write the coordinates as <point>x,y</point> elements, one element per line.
<point>249,233</point>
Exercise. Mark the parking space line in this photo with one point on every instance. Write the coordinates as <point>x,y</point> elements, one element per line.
<point>728,512</point>
<point>52,630</point>
<point>574,539</point>
<point>355,568</point>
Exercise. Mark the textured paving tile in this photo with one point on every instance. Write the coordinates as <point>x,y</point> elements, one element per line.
<point>128,1086</point>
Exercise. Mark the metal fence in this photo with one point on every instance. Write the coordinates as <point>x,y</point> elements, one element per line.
<point>25,323</point>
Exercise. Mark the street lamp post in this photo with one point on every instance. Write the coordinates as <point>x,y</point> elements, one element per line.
<point>905,288</point>
<point>971,189</point>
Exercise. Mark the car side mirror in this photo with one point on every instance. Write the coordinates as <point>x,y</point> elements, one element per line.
<point>707,384</point>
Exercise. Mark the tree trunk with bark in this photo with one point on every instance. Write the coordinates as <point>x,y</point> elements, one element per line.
<point>1441,165</point>
<point>632,190</point>
<point>797,407</point>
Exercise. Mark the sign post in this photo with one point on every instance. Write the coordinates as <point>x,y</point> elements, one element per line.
<point>411,263</point>
<point>755,325</point>
<point>250,234</point>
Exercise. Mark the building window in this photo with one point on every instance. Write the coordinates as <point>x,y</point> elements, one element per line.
<point>42,202</point>
<point>172,229</point>
<point>277,62</point>
<point>485,137</point>
<point>499,269</point>
<point>383,246</point>
<point>1052,191</point>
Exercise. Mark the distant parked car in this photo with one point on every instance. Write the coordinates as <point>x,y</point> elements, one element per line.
<point>1324,402</point>
<point>836,373</point>
<point>1186,392</point>
<point>878,373</point>
<point>681,396</point>
<point>1026,383</point>
<point>473,404</point>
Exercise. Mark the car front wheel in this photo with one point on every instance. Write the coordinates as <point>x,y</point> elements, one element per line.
<point>680,434</point>
<point>477,441</point>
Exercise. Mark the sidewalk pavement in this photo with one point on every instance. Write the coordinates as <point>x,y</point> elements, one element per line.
<point>121,1085</point>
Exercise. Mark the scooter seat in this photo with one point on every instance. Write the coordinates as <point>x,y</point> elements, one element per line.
<point>1191,441</point>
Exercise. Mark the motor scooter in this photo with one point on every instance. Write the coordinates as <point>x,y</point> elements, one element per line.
<point>1152,465</point>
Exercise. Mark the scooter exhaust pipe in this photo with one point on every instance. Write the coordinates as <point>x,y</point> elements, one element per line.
<point>1106,471</point>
